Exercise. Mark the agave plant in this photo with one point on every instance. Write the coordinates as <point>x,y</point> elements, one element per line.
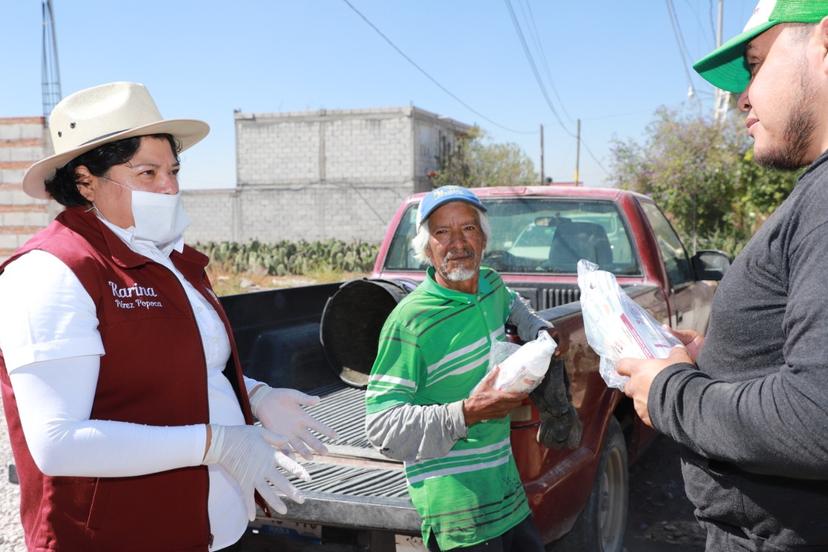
<point>296,258</point>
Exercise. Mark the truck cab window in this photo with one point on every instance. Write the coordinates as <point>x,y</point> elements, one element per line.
<point>679,270</point>
<point>400,253</point>
<point>539,235</point>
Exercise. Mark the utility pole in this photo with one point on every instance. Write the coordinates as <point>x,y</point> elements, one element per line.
<point>578,156</point>
<point>49,69</point>
<point>541,171</point>
<point>722,97</point>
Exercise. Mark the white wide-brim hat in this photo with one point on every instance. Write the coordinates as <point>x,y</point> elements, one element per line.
<point>107,113</point>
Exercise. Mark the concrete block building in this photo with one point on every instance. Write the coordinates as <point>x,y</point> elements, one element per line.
<point>322,174</point>
<point>308,175</point>
<point>23,140</point>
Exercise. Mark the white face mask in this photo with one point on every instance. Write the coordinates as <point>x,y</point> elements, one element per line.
<point>159,218</point>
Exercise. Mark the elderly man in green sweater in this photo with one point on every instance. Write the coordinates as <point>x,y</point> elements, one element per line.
<point>433,350</point>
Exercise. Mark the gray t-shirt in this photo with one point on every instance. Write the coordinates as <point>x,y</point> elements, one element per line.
<point>753,418</point>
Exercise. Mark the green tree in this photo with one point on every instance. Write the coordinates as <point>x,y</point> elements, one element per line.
<point>476,162</point>
<point>703,175</point>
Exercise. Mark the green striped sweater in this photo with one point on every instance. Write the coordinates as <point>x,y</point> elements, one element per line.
<point>434,348</point>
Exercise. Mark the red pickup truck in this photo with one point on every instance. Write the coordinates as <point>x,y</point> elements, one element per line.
<point>579,497</point>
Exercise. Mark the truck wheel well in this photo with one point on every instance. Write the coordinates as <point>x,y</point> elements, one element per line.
<point>625,414</point>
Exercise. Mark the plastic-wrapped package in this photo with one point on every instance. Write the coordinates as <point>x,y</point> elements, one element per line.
<point>521,367</point>
<point>617,327</point>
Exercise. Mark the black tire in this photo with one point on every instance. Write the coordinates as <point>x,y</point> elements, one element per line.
<point>601,525</point>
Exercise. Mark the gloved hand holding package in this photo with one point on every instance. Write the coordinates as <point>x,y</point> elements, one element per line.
<point>617,327</point>
<point>524,367</point>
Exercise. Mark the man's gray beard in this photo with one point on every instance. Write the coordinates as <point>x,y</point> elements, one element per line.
<point>459,274</point>
<point>799,133</point>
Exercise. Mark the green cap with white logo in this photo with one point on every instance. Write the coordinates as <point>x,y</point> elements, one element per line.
<point>725,67</point>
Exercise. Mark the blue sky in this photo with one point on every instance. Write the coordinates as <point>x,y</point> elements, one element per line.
<point>612,62</point>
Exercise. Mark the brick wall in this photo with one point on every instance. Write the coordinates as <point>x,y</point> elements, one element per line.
<point>23,140</point>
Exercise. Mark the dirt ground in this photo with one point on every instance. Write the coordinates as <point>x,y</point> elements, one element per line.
<point>661,518</point>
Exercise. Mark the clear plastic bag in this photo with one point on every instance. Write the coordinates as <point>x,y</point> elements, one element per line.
<point>617,327</point>
<point>522,367</point>
<point>499,352</point>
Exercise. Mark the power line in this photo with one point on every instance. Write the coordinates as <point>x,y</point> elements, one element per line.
<point>682,47</point>
<point>677,32</point>
<point>534,67</point>
<point>539,46</point>
<point>429,77</point>
<point>712,22</point>
<point>702,28</point>
<point>367,203</point>
<point>543,90</point>
<point>594,158</point>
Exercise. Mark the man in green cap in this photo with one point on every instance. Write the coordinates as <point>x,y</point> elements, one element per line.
<point>749,402</point>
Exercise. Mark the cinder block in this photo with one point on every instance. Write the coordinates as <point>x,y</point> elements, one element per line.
<point>31,154</point>
<point>11,176</point>
<point>19,197</point>
<point>12,219</point>
<point>20,131</point>
<point>23,238</point>
<point>8,241</point>
<point>37,218</point>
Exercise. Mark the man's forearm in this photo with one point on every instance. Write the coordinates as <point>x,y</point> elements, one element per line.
<point>413,432</point>
<point>526,319</point>
<point>776,425</point>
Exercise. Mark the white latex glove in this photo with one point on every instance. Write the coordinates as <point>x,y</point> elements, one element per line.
<point>249,455</point>
<point>280,411</point>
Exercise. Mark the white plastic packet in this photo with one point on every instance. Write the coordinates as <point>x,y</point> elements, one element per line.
<point>617,327</point>
<point>500,351</point>
<point>521,367</point>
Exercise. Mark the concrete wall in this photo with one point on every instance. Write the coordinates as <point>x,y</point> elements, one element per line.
<point>322,174</point>
<point>315,212</point>
<point>312,175</point>
<point>433,140</point>
<point>318,146</point>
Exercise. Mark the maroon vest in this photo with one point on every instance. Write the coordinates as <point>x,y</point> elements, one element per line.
<point>153,372</point>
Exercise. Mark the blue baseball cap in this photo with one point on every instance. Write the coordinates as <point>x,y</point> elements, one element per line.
<point>441,196</point>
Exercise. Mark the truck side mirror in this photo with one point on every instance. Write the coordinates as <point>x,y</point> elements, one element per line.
<point>710,264</point>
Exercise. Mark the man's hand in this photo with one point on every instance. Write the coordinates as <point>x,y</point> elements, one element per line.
<point>692,340</point>
<point>281,412</point>
<point>642,372</point>
<point>488,403</point>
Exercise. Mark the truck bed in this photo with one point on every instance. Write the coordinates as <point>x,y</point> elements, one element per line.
<point>353,485</point>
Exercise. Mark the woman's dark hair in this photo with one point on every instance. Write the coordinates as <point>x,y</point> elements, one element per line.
<point>63,187</point>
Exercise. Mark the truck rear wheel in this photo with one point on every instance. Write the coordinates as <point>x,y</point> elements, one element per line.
<point>601,525</point>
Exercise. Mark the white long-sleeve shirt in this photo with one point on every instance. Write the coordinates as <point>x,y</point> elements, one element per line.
<point>51,344</point>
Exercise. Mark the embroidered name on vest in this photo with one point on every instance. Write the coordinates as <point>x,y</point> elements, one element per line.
<point>138,296</point>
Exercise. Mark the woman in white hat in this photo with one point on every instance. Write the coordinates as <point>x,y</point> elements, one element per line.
<point>128,413</point>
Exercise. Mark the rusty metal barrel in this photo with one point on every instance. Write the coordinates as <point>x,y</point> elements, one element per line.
<point>351,323</point>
